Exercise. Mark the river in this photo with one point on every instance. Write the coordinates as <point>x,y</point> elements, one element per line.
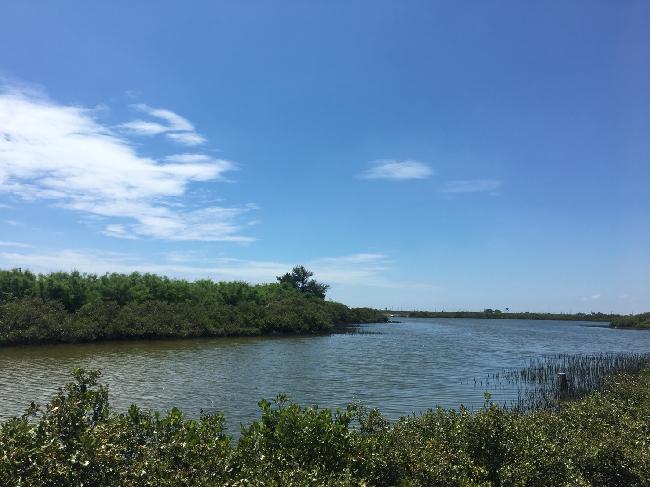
<point>400,368</point>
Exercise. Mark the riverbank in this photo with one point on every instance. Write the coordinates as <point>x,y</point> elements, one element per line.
<point>599,440</point>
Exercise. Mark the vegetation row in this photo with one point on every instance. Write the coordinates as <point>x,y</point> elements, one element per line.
<point>71,307</point>
<point>498,314</point>
<point>76,439</point>
<point>640,321</point>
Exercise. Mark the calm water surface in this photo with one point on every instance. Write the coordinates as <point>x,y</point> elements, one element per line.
<point>401,368</point>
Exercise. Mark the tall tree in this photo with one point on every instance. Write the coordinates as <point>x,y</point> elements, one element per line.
<point>299,278</point>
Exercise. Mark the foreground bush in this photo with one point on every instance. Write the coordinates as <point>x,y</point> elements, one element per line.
<point>603,440</point>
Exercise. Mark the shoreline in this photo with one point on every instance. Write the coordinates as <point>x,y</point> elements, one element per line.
<point>338,328</point>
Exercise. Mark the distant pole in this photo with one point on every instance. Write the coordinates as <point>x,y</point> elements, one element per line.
<point>564,385</point>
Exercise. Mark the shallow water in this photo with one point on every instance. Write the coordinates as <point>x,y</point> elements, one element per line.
<point>400,368</point>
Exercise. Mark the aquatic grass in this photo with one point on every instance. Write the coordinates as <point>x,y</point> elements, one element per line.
<point>538,385</point>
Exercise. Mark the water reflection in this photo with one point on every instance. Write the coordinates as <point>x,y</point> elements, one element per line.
<point>401,367</point>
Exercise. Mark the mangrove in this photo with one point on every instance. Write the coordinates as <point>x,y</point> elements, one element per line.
<point>77,439</point>
<point>76,307</point>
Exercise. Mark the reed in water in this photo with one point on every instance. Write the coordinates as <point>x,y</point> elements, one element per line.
<point>538,385</point>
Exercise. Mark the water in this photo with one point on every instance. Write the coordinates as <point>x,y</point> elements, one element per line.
<point>400,368</point>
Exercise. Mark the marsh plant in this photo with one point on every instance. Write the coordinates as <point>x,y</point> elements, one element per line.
<point>538,385</point>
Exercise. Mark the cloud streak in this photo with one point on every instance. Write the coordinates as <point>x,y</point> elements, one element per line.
<point>355,269</point>
<point>19,245</point>
<point>471,186</point>
<point>63,154</point>
<point>175,127</point>
<point>397,170</point>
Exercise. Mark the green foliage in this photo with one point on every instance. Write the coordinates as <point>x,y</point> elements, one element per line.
<point>640,321</point>
<point>602,440</point>
<point>32,320</point>
<point>72,307</point>
<point>299,279</point>
<point>74,290</point>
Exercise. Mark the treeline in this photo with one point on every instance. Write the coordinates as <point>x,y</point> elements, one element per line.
<point>498,314</point>
<point>71,307</point>
<point>640,321</point>
<point>77,439</point>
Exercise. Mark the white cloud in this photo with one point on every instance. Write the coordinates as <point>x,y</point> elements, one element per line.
<point>142,127</point>
<point>175,121</point>
<point>593,297</point>
<point>188,158</point>
<point>186,138</point>
<point>397,170</point>
<point>20,245</point>
<point>62,153</point>
<point>175,128</point>
<point>68,260</point>
<point>361,279</point>
<point>118,230</point>
<point>355,269</point>
<point>471,186</point>
<point>358,269</point>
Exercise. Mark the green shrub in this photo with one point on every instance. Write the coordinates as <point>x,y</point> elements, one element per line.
<point>602,440</point>
<point>632,321</point>
<point>69,307</point>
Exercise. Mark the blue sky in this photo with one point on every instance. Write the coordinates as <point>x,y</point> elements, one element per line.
<point>424,155</point>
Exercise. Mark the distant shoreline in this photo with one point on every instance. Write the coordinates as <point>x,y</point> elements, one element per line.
<point>636,322</point>
<point>499,315</point>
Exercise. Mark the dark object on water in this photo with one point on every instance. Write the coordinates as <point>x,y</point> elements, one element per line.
<point>563,385</point>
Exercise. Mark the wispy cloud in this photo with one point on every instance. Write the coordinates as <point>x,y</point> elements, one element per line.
<point>355,269</point>
<point>472,186</point>
<point>397,170</point>
<point>593,297</point>
<point>142,127</point>
<point>186,138</point>
<point>175,128</point>
<point>64,154</point>
<point>175,121</point>
<point>18,245</point>
<point>358,269</point>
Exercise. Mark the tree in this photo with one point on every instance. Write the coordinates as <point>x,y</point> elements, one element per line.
<point>299,279</point>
